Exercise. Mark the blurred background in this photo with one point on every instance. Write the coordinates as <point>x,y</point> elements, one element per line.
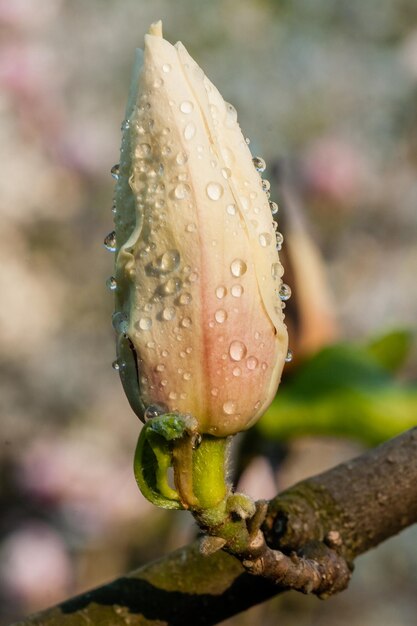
<point>327,93</point>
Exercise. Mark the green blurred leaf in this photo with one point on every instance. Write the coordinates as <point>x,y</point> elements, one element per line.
<point>392,349</point>
<point>346,390</point>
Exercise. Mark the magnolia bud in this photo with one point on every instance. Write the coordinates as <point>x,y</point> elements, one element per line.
<point>198,314</point>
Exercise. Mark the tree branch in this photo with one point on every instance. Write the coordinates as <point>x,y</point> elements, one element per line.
<point>348,510</point>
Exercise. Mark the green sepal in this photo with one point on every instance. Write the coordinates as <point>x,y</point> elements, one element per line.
<point>153,457</point>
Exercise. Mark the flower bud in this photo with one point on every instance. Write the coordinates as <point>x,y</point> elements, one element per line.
<point>198,314</point>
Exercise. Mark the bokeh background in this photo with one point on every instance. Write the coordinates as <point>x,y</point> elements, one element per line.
<point>327,93</point>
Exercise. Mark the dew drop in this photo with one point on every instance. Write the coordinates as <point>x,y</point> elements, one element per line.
<point>145,323</point>
<point>288,358</point>
<point>185,298</point>
<point>226,172</point>
<point>238,267</point>
<point>166,68</point>
<point>266,185</point>
<point>189,131</point>
<point>229,407</point>
<point>186,322</point>
<point>110,241</point>
<point>168,313</point>
<point>221,292</point>
<point>111,283</point>
<point>170,287</point>
<point>191,228</point>
<point>181,158</point>
<point>115,365</point>
<point>160,367</point>
<point>251,363</point>
<point>214,191</point>
<point>279,240</point>
<point>169,261</point>
<point>154,410</point>
<point>120,322</point>
<point>187,376</point>
<point>115,171</point>
<point>172,395</point>
<point>237,350</point>
<point>220,316</point>
<point>125,125</point>
<point>231,209</point>
<point>214,392</point>
<point>143,150</point>
<point>231,115</point>
<point>182,191</point>
<point>259,164</point>
<point>265,239</point>
<point>277,270</point>
<point>284,292</point>
<point>193,277</point>
<point>186,107</point>
<point>274,207</point>
<point>158,82</point>
<point>236,291</point>
<point>236,372</point>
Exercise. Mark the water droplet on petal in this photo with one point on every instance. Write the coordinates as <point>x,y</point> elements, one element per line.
<point>226,172</point>
<point>145,323</point>
<point>186,322</point>
<point>170,287</point>
<point>189,131</point>
<point>220,316</point>
<point>154,410</point>
<point>182,191</point>
<point>237,372</point>
<point>169,261</point>
<point>143,150</point>
<point>110,241</point>
<point>229,407</point>
<point>111,283</point>
<point>120,322</point>
<point>259,164</point>
<point>191,228</point>
<point>284,292</point>
<point>221,292</point>
<point>166,68</point>
<point>181,158</point>
<point>274,207</point>
<point>187,376</point>
<point>186,107</point>
<point>160,367</point>
<point>238,267</point>
<point>168,313</point>
<point>237,350</point>
<point>265,239</point>
<point>115,365</point>
<point>251,363</point>
<point>236,291</point>
<point>185,298</point>
<point>214,391</point>
<point>266,185</point>
<point>279,240</point>
<point>289,356</point>
<point>231,209</point>
<point>231,115</point>
<point>115,171</point>
<point>277,270</point>
<point>214,191</point>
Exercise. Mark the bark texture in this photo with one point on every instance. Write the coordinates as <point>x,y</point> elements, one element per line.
<point>348,509</point>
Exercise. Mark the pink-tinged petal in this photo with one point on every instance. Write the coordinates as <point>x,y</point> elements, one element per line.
<point>197,269</point>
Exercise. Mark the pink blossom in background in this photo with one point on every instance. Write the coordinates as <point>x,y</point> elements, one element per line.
<point>35,568</point>
<point>333,169</point>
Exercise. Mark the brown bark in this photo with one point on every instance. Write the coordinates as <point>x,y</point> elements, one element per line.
<point>340,513</point>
